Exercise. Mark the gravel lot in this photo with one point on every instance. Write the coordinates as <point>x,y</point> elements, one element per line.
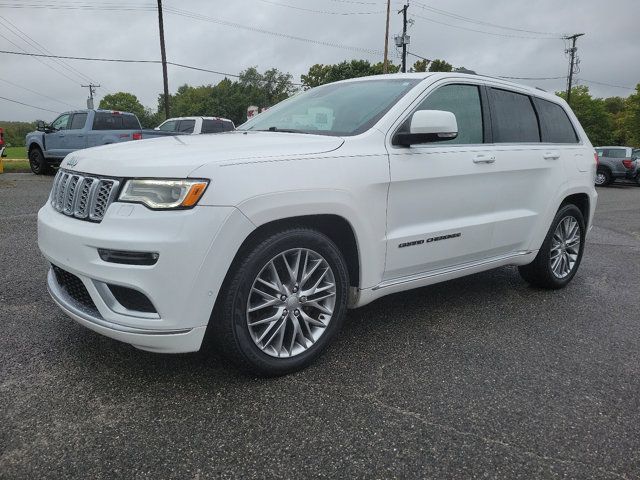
<point>482,377</point>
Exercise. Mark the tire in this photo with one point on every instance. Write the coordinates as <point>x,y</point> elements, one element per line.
<point>540,272</point>
<point>603,177</point>
<point>37,162</point>
<point>233,324</point>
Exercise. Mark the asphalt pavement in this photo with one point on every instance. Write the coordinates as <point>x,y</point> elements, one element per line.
<point>481,377</point>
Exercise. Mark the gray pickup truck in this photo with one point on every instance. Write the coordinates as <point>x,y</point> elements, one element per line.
<point>72,131</point>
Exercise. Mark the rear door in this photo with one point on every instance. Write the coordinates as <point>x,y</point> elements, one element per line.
<point>530,172</point>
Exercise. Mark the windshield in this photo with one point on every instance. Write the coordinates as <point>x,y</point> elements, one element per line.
<point>341,109</point>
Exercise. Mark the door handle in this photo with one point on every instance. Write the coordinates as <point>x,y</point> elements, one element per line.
<point>484,159</point>
<point>551,155</point>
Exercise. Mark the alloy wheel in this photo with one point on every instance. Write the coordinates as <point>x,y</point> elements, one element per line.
<point>291,302</point>
<point>565,247</point>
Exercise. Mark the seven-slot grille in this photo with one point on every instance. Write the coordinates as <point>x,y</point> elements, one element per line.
<point>81,196</point>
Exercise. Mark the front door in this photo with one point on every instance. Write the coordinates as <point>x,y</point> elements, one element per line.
<point>75,137</point>
<point>442,195</point>
<point>54,140</point>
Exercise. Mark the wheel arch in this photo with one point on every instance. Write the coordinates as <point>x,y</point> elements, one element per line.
<point>580,200</point>
<point>336,227</point>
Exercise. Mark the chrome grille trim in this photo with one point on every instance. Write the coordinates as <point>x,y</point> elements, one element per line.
<point>83,196</point>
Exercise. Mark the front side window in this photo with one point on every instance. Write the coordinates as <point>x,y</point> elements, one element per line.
<point>61,122</point>
<point>78,121</point>
<point>513,119</point>
<point>464,102</point>
<point>555,125</point>
<point>342,109</point>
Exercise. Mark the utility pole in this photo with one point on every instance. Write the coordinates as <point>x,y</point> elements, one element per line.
<point>572,62</point>
<point>163,53</point>
<point>385,64</point>
<point>405,39</point>
<point>92,90</point>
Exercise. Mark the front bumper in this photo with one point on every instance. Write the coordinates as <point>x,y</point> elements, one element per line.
<point>195,250</point>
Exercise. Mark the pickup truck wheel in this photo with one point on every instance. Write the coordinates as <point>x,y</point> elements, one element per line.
<point>283,303</point>
<point>561,252</point>
<point>37,162</point>
<point>603,177</point>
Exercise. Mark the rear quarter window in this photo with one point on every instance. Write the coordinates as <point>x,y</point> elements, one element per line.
<point>513,118</point>
<point>555,126</point>
<point>115,121</point>
<point>215,126</point>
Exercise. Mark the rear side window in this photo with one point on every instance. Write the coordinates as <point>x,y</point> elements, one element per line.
<point>115,121</point>
<point>513,119</point>
<point>78,121</point>
<point>464,102</point>
<point>211,126</point>
<point>227,126</point>
<point>614,152</point>
<point>555,125</point>
<point>168,126</point>
<point>186,126</point>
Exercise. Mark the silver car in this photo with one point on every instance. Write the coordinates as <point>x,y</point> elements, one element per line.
<point>616,163</point>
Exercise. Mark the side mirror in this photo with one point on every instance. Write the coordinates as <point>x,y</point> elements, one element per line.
<point>40,126</point>
<point>428,126</point>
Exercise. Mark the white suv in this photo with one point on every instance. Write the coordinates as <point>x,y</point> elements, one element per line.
<point>263,237</point>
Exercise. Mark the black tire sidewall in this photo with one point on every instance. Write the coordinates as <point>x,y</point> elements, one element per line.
<point>564,212</point>
<point>36,158</point>
<point>244,278</point>
<point>607,176</point>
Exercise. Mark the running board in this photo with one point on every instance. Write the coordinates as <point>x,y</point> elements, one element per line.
<point>448,270</point>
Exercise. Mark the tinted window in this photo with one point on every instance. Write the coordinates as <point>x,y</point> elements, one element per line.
<point>115,121</point>
<point>464,102</point>
<point>555,125</point>
<point>78,121</point>
<point>168,126</point>
<point>187,126</point>
<point>227,126</point>
<point>61,122</point>
<point>212,126</point>
<point>513,119</point>
<point>615,153</point>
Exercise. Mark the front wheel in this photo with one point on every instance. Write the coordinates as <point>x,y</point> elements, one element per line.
<point>283,304</point>
<point>561,252</point>
<point>37,162</point>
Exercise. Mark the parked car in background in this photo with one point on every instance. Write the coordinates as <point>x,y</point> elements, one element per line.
<point>79,129</point>
<point>196,125</point>
<point>336,197</point>
<point>615,163</point>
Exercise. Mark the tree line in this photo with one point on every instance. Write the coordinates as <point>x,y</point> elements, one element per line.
<point>607,121</point>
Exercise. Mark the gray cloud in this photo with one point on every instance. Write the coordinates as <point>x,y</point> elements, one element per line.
<point>608,53</point>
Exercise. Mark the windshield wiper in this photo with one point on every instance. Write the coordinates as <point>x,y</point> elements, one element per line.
<point>284,130</point>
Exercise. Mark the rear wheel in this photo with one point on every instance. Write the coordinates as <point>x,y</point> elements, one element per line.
<point>37,162</point>
<point>603,177</point>
<point>283,303</point>
<point>561,252</point>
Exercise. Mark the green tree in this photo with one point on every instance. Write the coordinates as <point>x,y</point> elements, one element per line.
<point>420,66</point>
<point>630,119</point>
<point>438,65</point>
<point>15,132</point>
<point>320,74</point>
<point>128,102</point>
<point>593,116</point>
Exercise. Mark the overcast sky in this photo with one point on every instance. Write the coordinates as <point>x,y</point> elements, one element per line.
<point>609,52</point>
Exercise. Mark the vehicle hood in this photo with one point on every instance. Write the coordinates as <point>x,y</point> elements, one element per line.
<point>177,156</point>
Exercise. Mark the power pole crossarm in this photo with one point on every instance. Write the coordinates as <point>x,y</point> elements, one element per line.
<point>92,90</point>
<point>164,61</point>
<point>572,62</point>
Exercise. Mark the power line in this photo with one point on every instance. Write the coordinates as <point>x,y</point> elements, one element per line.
<point>125,60</point>
<point>27,105</point>
<point>604,84</point>
<point>36,93</point>
<point>324,12</point>
<point>483,31</point>
<point>34,44</point>
<point>480,22</point>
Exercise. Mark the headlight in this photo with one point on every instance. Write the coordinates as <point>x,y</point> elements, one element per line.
<point>163,194</point>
